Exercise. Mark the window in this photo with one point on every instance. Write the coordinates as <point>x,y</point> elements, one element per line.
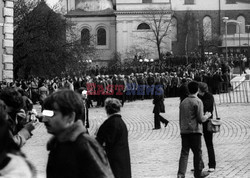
<point>143,26</point>
<point>146,1</point>
<point>230,1</point>
<point>189,2</point>
<point>101,37</point>
<point>231,28</point>
<point>173,29</point>
<point>242,24</point>
<point>207,28</point>
<point>85,37</point>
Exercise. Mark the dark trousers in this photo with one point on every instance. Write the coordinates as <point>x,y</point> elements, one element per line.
<point>208,137</point>
<point>158,119</point>
<point>193,142</point>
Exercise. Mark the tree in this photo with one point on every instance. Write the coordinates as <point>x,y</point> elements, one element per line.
<point>115,64</point>
<point>41,47</point>
<point>208,40</point>
<point>189,27</point>
<point>160,25</point>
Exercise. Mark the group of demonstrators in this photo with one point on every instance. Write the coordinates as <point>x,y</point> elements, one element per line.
<point>106,155</point>
<point>136,86</point>
<point>73,152</point>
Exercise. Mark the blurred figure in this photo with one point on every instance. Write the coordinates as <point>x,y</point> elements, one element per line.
<point>159,106</point>
<point>43,93</point>
<point>19,124</point>
<point>84,94</point>
<point>183,90</point>
<point>13,163</point>
<point>73,153</point>
<point>113,135</point>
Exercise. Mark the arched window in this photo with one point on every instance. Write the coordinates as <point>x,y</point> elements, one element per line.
<point>101,37</point>
<point>207,28</point>
<point>85,37</point>
<point>242,24</point>
<point>143,26</point>
<point>173,29</point>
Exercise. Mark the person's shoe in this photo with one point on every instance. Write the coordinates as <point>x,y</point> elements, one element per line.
<point>180,176</point>
<point>166,123</point>
<point>156,128</point>
<point>204,174</point>
<point>211,170</point>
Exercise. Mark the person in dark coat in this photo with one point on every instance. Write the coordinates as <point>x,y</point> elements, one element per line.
<point>72,152</point>
<point>113,135</point>
<point>217,81</point>
<point>159,106</point>
<point>183,90</point>
<point>208,103</point>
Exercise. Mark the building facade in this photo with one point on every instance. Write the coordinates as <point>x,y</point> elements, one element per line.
<point>192,26</point>
<point>6,42</point>
<point>199,21</point>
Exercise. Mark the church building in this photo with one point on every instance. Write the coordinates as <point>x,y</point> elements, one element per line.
<point>119,26</point>
<point>131,27</point>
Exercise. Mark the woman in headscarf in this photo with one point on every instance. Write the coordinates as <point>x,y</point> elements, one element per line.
<point>113,136</point>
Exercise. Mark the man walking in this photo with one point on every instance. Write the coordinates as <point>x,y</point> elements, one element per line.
<point>73,153</point>
<point>191,118</point>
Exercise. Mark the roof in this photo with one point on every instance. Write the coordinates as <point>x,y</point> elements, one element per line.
<point>82,13</point>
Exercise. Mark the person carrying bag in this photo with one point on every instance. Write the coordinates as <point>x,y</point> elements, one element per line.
<point>213,125</point>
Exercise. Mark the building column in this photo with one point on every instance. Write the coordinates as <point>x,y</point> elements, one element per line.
<point>7,43</point>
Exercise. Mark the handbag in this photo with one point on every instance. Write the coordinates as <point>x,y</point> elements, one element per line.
<point>214,124</point>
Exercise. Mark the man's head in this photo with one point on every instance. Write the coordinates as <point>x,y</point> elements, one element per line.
<point>193,87</point>
<point>12,99</point>
<point>61,110</point>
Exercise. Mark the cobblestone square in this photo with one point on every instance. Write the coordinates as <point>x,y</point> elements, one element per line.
<point>155,153</point>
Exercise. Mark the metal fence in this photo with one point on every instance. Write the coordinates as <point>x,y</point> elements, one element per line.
<point>238,92</point>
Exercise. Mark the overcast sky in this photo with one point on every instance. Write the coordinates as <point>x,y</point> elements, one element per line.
<point>51,2</point>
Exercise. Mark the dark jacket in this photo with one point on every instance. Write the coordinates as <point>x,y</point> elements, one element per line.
<point>208,105</point>
<point>158,101</point>
<point>74,154</point>
<point>113,134</point>
<point>191,115</point>
<point>183,90</point>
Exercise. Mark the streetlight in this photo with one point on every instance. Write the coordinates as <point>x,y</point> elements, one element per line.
<point>141,61</point>
<point>248,26</point>
<point>225,19</point>
<point>152,64</point>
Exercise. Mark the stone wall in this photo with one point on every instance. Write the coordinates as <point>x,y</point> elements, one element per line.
<point>6,42</point>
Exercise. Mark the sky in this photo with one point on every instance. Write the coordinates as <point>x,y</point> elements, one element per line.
<point>51,2</point>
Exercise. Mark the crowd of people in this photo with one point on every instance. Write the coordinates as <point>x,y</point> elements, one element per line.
<point>106,155</point>
<point>66,100</point>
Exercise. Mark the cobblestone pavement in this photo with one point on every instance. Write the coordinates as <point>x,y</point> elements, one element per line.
<point>155,153</point>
